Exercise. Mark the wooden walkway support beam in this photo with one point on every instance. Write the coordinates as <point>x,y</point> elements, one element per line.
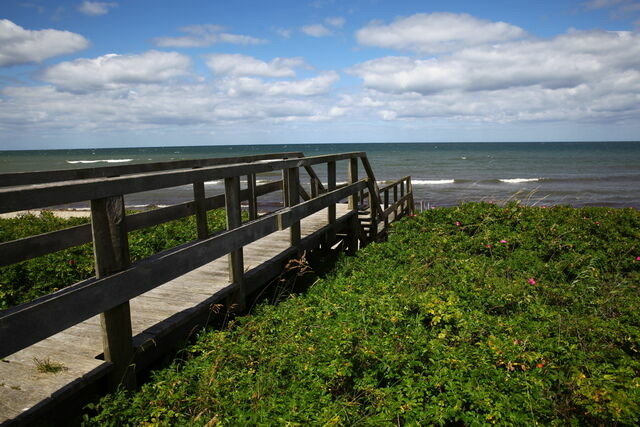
<point>292,185</point>
<point>111,253</point>
<point>236,261</point>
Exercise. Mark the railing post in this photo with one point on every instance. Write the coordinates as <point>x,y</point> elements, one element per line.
<point>352,234</point>
<point>412,205</point>
<point>402,205</point>
<point>386,205</point>
<point>236,261</point>
<point>253,202</point>
<point>353,178</point>
<point>373,206</point>
<point>331,185</point>
<point>285,187</point>
<point>201,212</point>
<point>395,200</point>
<point>331,209</point>
<point>293,198</point>
<point>314,187</point>
<point>111,253</point>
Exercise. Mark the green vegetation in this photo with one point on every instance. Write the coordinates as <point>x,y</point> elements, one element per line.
<point>30,279</point>
<point>48,366</point>
<point>468,315</point>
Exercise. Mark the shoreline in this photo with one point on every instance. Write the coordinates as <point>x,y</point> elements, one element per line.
<point>60,213</point>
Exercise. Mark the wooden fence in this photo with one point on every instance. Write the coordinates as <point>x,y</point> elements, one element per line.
<point>118,280</point>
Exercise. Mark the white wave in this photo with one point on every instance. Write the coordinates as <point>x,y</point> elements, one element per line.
<point>432,181</point>
<point>216,182</point>
<point>518,180</point>
<point>99,161</point>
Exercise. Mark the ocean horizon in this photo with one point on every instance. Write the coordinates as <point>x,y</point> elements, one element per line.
<point>443,174</point>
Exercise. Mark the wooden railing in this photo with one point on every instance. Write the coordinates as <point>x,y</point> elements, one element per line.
<point>117,280</point>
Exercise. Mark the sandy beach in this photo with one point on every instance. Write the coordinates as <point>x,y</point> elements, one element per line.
<point>62,213</point>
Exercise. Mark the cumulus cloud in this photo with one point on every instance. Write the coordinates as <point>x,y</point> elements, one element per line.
<point>20,46</point>
<point>115,71</point>
<point>566,61</point>
<point>152,106</point>
<point>316,30</point>
<point>436,32</point>
<point>96,8</point>
<point>580,75</point>
<point>248,86</point>
<point>243,65</point>
<point>205,35</point>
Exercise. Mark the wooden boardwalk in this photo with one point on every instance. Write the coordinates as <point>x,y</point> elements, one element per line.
<point>25,390</point>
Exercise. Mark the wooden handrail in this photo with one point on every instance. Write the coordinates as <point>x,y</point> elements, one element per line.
<point>34,246</point>
<point>39,177</point>
<point>43,195</point>
<point>394,183</point>
<point>31,322</point>
<point>117,282</point>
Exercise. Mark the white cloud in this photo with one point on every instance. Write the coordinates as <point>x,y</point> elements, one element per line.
<point>316,30</point>
<point>578,76</point>
<point>205,35</point>
<point>154,106</point>
<point>566,61</point>
<point>436,32</point>
<point>337,22</point>
<point>248,86</point>
<point>243,65</point>
<point>96,8</point>
<point>20,46</point>
<point>115,71</point>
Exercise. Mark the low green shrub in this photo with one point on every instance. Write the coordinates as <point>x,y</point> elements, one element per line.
<point>30,279</point>
<point>475,314</point>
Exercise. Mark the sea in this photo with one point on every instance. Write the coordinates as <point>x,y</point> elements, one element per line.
<point>443,174</point>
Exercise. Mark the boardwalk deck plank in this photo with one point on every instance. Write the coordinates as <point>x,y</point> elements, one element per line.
<point>152,313</point>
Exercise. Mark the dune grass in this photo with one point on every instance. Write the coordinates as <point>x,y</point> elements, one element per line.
<point>467,315</point>
<point>30,279</point>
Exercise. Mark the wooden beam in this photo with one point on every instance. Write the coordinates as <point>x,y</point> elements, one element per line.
<point>111,252</point>
<point>38,177</point>
<point>42,195</point>
<point>293,198</point>
<point>236,262</point>
<point>31,322</point>
<point>353,177</point>
<point>252,196</point>
<point>201,210</point>
<point>42,244</point>
<point>331,185</point>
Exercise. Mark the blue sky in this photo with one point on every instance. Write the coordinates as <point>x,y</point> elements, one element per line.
<point>83,74</point>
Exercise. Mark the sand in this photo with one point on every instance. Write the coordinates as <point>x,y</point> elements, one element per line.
<point>62,213</point>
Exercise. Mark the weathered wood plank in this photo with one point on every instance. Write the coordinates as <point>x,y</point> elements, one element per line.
<point>394,207</point>
<point>111,252</point>
<point>42,244</point>
<point>234,220</point>
<point>293,198</point>
<point>391,185</point>
<point>252,196</point>
<point>353,177</point>
<point>152,333</point>
<point>42,195</point>
<point>30,322</point>
<point>200,210</point>
<point>38,177</point>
